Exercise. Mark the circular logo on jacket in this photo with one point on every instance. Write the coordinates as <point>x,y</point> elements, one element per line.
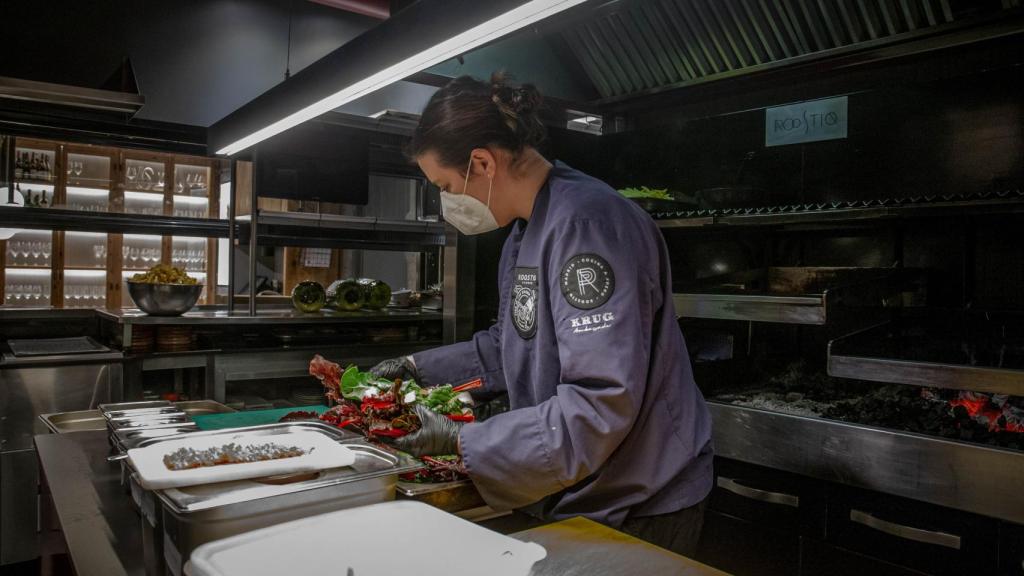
<point>524,301</point>
<point>587,281</point>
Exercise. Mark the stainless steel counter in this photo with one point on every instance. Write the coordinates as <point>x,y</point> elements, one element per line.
<point>581,547</point>
<point>101,530</point>
<point>103,533</point>
<point>220,316</point>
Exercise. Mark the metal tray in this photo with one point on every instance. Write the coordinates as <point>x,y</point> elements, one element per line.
<point>135,436</point>
<point>77,421</point>
<point>795,295</point>
<point>371,462</point>
<point>913,354</point>
<point>133,405</point>
<point>454,496</point>
<point>157,422</point>
<point>142,413</point>
<point>203,407</point>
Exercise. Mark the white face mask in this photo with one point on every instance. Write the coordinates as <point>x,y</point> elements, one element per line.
<point>468,215</point>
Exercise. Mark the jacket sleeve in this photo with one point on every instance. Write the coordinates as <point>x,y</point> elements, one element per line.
<point>461,362</point>
<point>523,455</point>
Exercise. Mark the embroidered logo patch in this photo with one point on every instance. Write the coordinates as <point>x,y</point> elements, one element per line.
<point>587,281</point>
<point>524,301</point>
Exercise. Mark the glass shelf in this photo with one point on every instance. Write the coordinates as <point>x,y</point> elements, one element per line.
<point>191,207</point>
<point>191,181</point>
<point>34,165</point>
<point>144,175</point>
<point>87,170</point>
<point>85,250</point>
<point>87,199</point>
<point>30,249</point>
<point>147,203</point>
<point>26,288</point>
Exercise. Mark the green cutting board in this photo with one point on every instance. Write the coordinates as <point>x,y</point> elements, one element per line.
<point>249,418</point>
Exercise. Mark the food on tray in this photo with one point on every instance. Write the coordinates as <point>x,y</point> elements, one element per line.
<point>188,458</point>
<point>438,469</point>
<point>300,415</point>
<point>164,274</point>
<point>645,192</point>
<point>309,296</point>
<point>345,295</point>
<point>381,407</point>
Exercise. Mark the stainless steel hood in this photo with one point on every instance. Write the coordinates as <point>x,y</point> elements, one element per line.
<point>638,46</point>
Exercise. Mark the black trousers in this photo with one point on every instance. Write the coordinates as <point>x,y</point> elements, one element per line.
<point>676,531</point>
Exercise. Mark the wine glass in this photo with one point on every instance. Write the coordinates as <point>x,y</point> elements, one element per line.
<point>37,250</point>
<point>134,255</point>
<point>159,180</point>
<point>78,167</point>
<point>24,251</point>
<point>47,249</point>
<point>12,251</point>
<point>124,254</point>
<point>98,250</point>
<point>133,174</point>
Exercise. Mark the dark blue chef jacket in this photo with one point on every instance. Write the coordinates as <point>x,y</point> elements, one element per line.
<point>605,421</point>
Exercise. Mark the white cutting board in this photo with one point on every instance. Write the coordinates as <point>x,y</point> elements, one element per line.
<point>400,538</point>
<point>321,453</point>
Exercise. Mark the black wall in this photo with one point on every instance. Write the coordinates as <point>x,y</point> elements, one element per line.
<point>949,122</point>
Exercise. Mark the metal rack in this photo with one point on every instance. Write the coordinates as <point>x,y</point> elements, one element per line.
<point>925,353</point>
<point>1001,202</point>
<point>795,295</point>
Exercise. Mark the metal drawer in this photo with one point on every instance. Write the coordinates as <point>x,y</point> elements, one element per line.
<point>919,536</point>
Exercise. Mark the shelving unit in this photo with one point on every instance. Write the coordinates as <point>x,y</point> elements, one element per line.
<point>97,201</point>
<point>836,297</point>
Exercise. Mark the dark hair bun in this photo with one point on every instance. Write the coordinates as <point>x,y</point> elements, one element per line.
<point>468,114</point>
<point>522,100</point>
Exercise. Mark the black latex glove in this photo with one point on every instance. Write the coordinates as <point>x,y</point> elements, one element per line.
<point>438,435</point>
<point>396,368</point>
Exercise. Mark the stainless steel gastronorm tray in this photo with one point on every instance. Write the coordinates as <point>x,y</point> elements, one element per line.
<point>164,422</point>
<point>333,432</point>
<point>371,462</point>
<point>140,413</point>
<point>104,408</point>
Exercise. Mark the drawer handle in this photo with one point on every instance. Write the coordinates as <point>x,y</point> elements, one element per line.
<point>755,494</point>
<point>905,532</point>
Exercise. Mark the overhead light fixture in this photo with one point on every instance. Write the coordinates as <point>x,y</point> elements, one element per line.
<point>505,23</point>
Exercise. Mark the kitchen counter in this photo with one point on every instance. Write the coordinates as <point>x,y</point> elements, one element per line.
<point>220,316</point>
<point>103,535</point>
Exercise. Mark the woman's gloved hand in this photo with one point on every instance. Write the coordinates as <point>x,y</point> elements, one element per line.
<point>438,435</point>
<point>393,368</point>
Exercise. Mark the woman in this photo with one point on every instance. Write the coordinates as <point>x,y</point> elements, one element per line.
<point>605,421</point>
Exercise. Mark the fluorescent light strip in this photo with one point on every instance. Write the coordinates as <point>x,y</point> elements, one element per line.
<point>497,27</point>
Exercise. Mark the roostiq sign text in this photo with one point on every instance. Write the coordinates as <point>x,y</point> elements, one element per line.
<point>806,122</point>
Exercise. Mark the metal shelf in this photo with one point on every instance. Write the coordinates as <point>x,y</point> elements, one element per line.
<point>1004,202</point>
<point>790,295</point>
<point>112,222</point>
<point>978,356</point>
<point>336,231</point>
